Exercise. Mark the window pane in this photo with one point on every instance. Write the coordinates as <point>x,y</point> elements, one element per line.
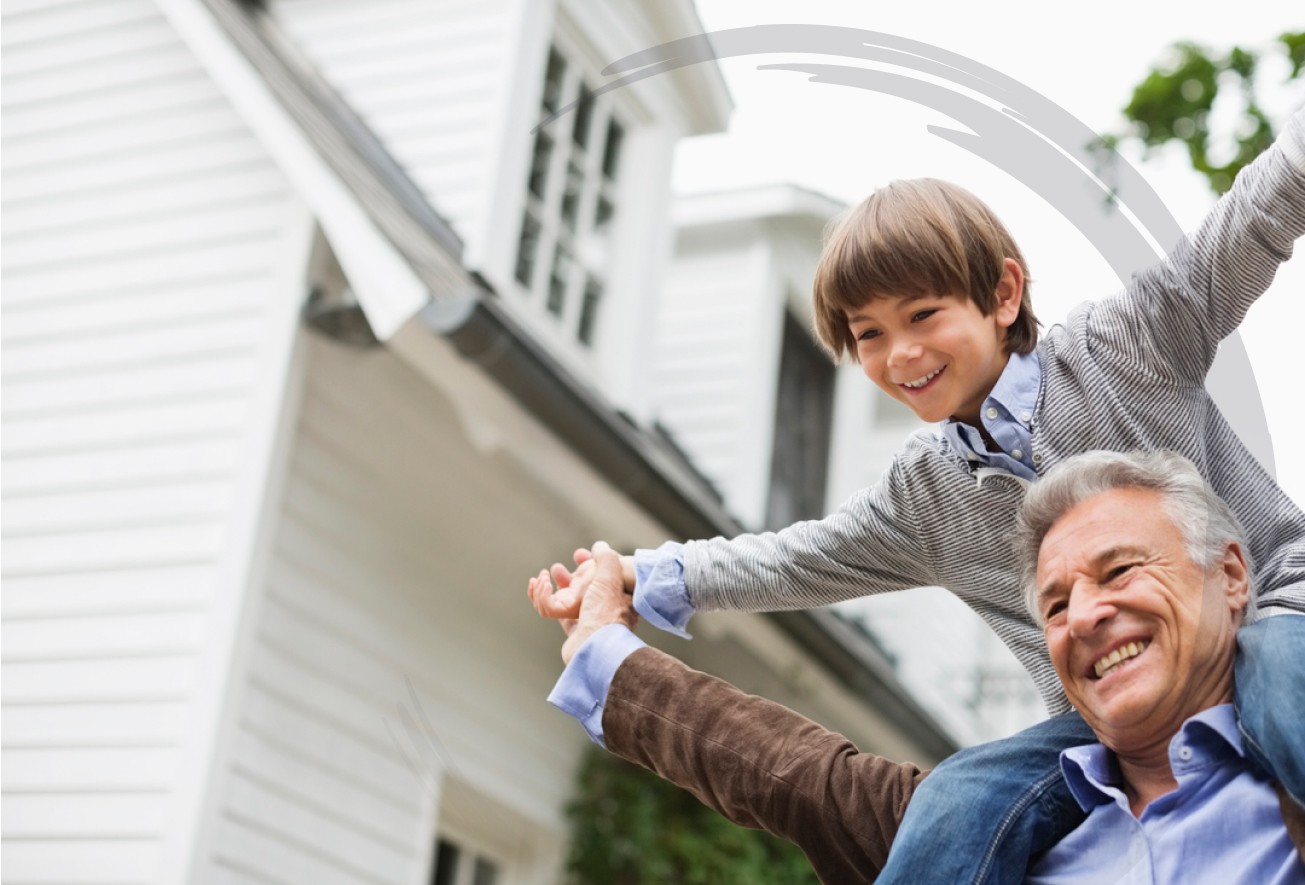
<point>557,281</point>
<point>575,184</point>
<point>446,863</point>
<point>539,163</point>
<point>612,151</point>
<point>589,311</point>
<point>603,212</point>
<point>804,409</point>
<point>584,113</point>
<point>553,81</point>
<point>526,249</point>
<point>486,873</point>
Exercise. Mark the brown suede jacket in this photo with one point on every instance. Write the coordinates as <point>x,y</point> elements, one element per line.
<point>764,766</point>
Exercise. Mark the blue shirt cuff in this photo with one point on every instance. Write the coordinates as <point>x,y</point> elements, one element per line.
<point>581,690</point>
<point>659,594</point>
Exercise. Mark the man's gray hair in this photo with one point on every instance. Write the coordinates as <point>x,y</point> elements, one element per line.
<point>1205,521</point>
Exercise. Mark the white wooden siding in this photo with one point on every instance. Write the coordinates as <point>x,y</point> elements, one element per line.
<point>142,230</point>
<point>426,76</point>
<point>400,555</point>
<point>717,363</point>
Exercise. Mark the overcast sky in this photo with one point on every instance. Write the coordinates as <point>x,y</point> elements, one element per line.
<point>844,142</point>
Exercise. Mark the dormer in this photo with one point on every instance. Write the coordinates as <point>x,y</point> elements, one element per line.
<point>566,222</point>
<point>741,382</point>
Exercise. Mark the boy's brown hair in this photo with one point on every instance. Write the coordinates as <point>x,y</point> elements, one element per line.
<point>915,237</point>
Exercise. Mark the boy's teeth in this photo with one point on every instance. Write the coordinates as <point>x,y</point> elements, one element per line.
<point>1118,656</point>
<point>921,381</point>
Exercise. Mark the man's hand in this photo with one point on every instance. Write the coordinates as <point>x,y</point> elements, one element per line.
<point>599,587</point>
<point>561,596</point>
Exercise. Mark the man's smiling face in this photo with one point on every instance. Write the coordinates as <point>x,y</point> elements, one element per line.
<point>1141,636</point>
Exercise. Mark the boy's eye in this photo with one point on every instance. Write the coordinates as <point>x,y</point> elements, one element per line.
<point>923,314</point>
<point>867,334</point>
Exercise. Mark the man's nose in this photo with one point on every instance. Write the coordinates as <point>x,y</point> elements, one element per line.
<point>1088,611</point>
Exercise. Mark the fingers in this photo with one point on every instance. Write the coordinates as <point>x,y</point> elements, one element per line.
<point>558,592</point>
<point>561,574</point>
<point>562,603</point>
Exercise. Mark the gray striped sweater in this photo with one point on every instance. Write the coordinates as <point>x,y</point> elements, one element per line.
<point>1121,373</point>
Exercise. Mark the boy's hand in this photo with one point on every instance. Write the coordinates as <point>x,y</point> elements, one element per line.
<point>605,599</point>
<point>565,600</point>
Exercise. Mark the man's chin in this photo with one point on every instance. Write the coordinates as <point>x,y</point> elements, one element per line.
<point>1119,705</point>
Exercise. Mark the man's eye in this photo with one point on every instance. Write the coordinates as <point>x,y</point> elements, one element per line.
<point>1119,571</point>
<point>1053,609</point>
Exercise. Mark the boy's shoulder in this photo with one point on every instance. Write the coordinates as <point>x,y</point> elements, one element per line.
<point>926,449</point>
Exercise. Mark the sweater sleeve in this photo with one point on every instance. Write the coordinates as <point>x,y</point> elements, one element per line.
<point>1168,322</point>
<point>874,543</point>
<point>759,764</point>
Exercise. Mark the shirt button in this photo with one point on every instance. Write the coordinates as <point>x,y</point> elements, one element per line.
<point>1026,417</point>
<point>992,413</point>
<point>1037,457</point>
<point>1185,754</point>
<point>1017,454</point>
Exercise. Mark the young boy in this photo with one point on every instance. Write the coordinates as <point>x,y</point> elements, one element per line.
<point>929,291</point>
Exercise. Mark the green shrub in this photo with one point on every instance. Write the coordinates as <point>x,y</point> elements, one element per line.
<point>629,827</point>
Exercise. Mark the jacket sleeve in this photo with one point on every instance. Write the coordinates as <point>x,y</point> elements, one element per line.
<point>759,764</point>
<point>1168,322</point>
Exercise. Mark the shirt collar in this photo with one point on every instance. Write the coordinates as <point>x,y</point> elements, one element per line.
<point>1007,411</point>
<point>1091,768</point>
<point>1016,390</point>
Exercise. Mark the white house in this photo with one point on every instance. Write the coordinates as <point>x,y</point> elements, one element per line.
<point>264,551</point>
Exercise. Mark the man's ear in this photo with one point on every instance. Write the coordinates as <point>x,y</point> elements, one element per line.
<point>1237,576</point>
<point>1010,293</point>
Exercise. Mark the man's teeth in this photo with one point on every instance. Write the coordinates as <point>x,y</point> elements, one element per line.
<point>920,382</point>
<point>1118,656</point>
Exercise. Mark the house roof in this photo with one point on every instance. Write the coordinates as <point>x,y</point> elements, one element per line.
<point>463,308</point>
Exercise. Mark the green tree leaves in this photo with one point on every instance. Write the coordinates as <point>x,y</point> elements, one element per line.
<point>1174,103</point>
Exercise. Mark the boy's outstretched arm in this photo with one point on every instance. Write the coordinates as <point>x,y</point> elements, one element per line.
<point>558,592</point>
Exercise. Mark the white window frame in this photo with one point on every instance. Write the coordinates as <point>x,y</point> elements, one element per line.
<point>587,274</point>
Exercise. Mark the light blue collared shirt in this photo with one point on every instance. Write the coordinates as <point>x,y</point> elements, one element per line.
<point>1222,825</point>
<point>1007,415</point>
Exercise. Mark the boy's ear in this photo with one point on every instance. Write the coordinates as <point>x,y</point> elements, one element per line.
<point>1010,293</point>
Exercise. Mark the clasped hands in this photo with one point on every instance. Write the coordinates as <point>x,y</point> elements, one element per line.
<point>597,593</point>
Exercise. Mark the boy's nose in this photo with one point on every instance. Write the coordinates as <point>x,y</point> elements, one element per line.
<point>904,352</point>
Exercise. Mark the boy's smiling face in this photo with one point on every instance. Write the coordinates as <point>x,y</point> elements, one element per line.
<point>937,353</point>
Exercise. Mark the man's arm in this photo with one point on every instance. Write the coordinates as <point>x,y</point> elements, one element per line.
<point>756,762</point>
<point>759,764</point>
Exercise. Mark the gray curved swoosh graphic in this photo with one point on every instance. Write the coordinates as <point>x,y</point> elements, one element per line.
<point>1022,132</point>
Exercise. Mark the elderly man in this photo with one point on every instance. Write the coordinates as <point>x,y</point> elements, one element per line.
<point>1137,572</point>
